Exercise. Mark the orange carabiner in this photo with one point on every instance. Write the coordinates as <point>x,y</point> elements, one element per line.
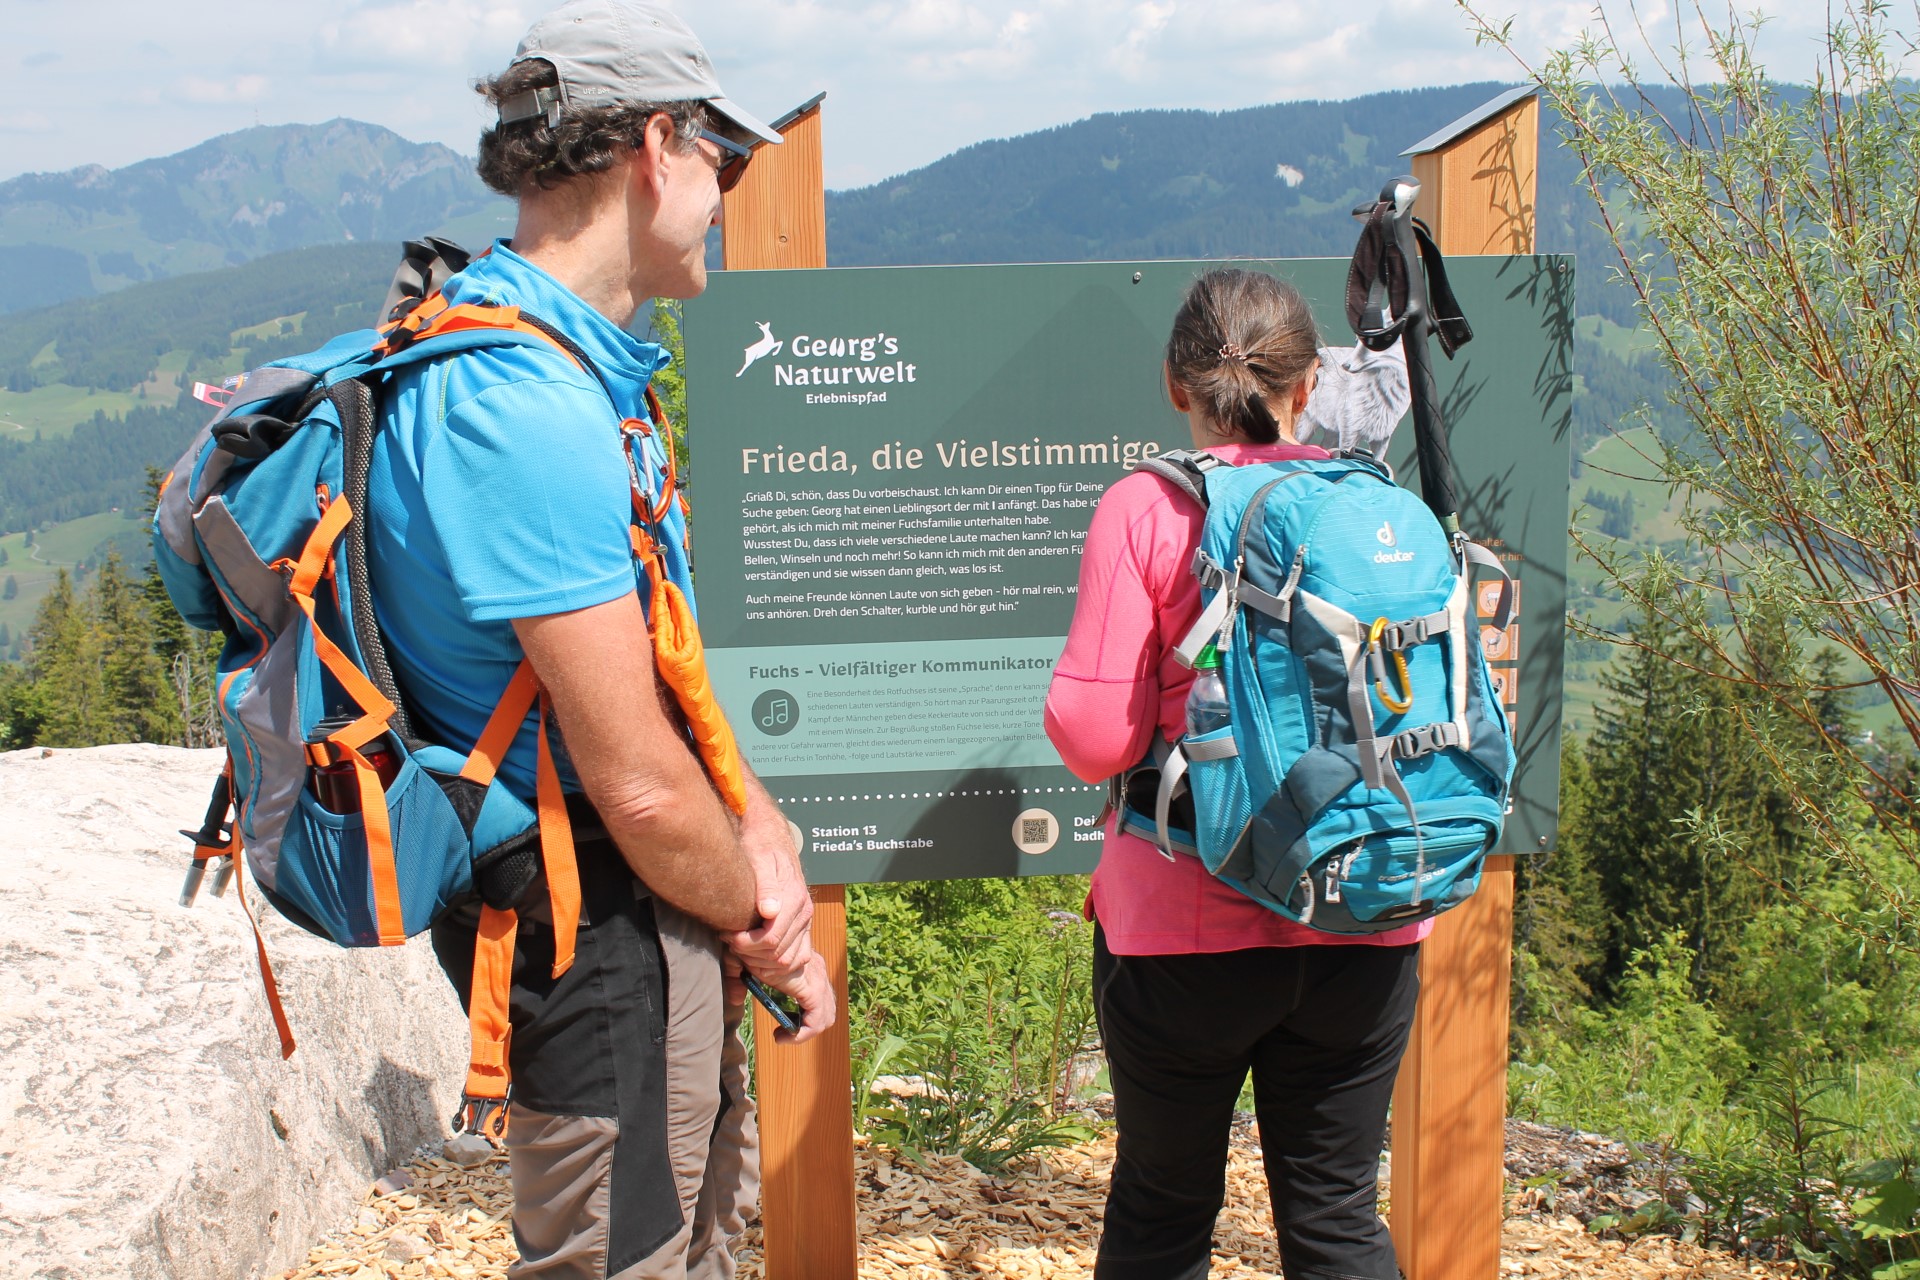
<point>1404,702</point>
<point>672,486</point>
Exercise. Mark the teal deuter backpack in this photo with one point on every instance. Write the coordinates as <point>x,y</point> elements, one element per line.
<point>1364,777</point>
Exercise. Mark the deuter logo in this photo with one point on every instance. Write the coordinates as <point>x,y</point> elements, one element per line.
<point>1384,536</point>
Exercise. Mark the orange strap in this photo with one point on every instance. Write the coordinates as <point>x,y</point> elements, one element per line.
<point>280,1023</point>
<point>434,317</point>
<point>682,663</point>
<point>503,726</point>
<point>314,558</point>
<point>556,830</point>
<point>488,1004</point>
<point>556,852</point>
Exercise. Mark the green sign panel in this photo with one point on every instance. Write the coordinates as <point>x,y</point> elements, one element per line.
<point>892,472</point>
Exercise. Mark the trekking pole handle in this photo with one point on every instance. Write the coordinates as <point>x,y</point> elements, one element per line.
<point>1403,191</point>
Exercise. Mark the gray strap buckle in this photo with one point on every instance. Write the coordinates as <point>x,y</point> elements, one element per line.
<point>1215,622</point>
<point>534,102</point>
<point>1423,740</point>
<point>1415,631</point>
<point>1277,606</point>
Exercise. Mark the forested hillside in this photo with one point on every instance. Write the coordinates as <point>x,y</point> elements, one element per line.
<point>1274,181</point>
<point>200,327</point>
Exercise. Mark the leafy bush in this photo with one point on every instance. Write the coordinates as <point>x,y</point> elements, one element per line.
<point>983,989</point>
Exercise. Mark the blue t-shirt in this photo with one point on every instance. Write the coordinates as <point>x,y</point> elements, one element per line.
<point>499,489</point>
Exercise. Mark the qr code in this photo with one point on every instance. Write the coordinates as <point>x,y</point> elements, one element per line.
<point>1035,830</point>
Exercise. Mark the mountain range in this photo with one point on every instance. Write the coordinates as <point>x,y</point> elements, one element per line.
<point>120,289</point>
<point>227,201</point>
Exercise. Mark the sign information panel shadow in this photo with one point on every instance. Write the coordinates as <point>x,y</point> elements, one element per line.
<point>893,469</point>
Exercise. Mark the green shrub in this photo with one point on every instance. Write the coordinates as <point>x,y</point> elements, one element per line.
<point>984,989</point>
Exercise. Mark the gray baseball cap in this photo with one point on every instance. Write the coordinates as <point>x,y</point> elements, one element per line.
<point>610,51</point>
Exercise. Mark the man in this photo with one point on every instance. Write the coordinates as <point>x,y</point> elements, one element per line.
<point>500,509</point>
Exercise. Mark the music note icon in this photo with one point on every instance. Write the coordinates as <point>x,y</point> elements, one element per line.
<point>776,712</point>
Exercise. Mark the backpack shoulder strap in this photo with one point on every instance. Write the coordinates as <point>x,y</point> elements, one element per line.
<point>484,325</point>
<point>1185,469</point>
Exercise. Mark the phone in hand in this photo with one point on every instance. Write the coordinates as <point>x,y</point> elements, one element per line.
<point>789,1020</point>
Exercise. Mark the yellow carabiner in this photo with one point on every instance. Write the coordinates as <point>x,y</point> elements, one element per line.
<point>1404,702</point>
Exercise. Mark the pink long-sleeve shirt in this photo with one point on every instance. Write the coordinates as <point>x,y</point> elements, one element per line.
<point>1117,684</point>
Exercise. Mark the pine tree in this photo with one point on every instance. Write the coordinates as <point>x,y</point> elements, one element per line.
<point>1560,916</point>
<point>11,590</point>
<point>1688,828</point>
<point>58,701</point>
<point>187,657</point>
<point>139,704</point>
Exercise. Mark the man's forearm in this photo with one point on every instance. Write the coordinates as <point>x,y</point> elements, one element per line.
<point>682,844</point>
<point>648,786</point>
<point>766,837</point>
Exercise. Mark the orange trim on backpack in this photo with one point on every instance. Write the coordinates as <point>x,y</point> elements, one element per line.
<point>315,557</point>
<point>556,852</point>
<point>434,317</point>
<point>319,547</point>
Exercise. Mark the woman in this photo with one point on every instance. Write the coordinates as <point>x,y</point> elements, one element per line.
<point>1194,984</point>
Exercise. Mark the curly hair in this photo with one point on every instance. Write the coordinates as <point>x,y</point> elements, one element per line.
<point>586,141</point>
<point>1240,339</point>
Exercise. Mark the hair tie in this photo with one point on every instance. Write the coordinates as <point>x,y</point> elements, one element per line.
<point>1232,351</point>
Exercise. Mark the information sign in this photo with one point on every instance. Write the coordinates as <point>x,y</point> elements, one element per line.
<point>892,471</point>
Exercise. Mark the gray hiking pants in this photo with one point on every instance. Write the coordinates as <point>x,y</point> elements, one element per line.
<point>631,1136</point>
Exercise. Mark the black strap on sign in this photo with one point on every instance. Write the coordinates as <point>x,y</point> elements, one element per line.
<point>1397,291</point>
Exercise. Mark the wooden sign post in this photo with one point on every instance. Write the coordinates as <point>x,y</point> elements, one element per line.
<point>1477,182</point>
<point>777,219</point>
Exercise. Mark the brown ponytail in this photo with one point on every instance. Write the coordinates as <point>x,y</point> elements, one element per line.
<point>1240,339</point>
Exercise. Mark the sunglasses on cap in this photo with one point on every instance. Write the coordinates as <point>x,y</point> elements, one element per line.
<point>733,163</point>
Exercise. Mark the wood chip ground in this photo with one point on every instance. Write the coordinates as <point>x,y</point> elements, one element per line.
<point>947,1219</point>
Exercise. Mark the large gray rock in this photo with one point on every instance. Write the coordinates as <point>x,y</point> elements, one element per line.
<point>148,1127</point>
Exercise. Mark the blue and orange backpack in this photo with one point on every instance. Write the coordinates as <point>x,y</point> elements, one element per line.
<point>353,827</point>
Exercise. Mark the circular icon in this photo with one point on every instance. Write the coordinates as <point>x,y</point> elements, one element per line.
<point>799,836</point>
<point>776,712</point>
<point>1036,830</point>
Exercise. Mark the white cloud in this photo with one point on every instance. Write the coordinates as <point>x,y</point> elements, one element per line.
<point>200,89</point>
<point>907,80</point>
<point>25,122</point>
<point>417,36</point>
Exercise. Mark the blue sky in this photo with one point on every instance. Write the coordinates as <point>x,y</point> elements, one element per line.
<point>115,81</point>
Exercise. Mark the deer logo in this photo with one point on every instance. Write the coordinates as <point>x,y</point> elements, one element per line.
<point>767,346</point>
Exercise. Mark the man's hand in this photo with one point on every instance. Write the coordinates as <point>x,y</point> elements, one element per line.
<point>811,989</point>
<point>779,941</point>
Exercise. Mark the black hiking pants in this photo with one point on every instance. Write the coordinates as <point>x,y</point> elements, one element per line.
<point>1322,1030</point>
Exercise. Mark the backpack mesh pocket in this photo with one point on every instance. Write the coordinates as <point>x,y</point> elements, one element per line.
<point>1221,810</point>
<point>324,871</point>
